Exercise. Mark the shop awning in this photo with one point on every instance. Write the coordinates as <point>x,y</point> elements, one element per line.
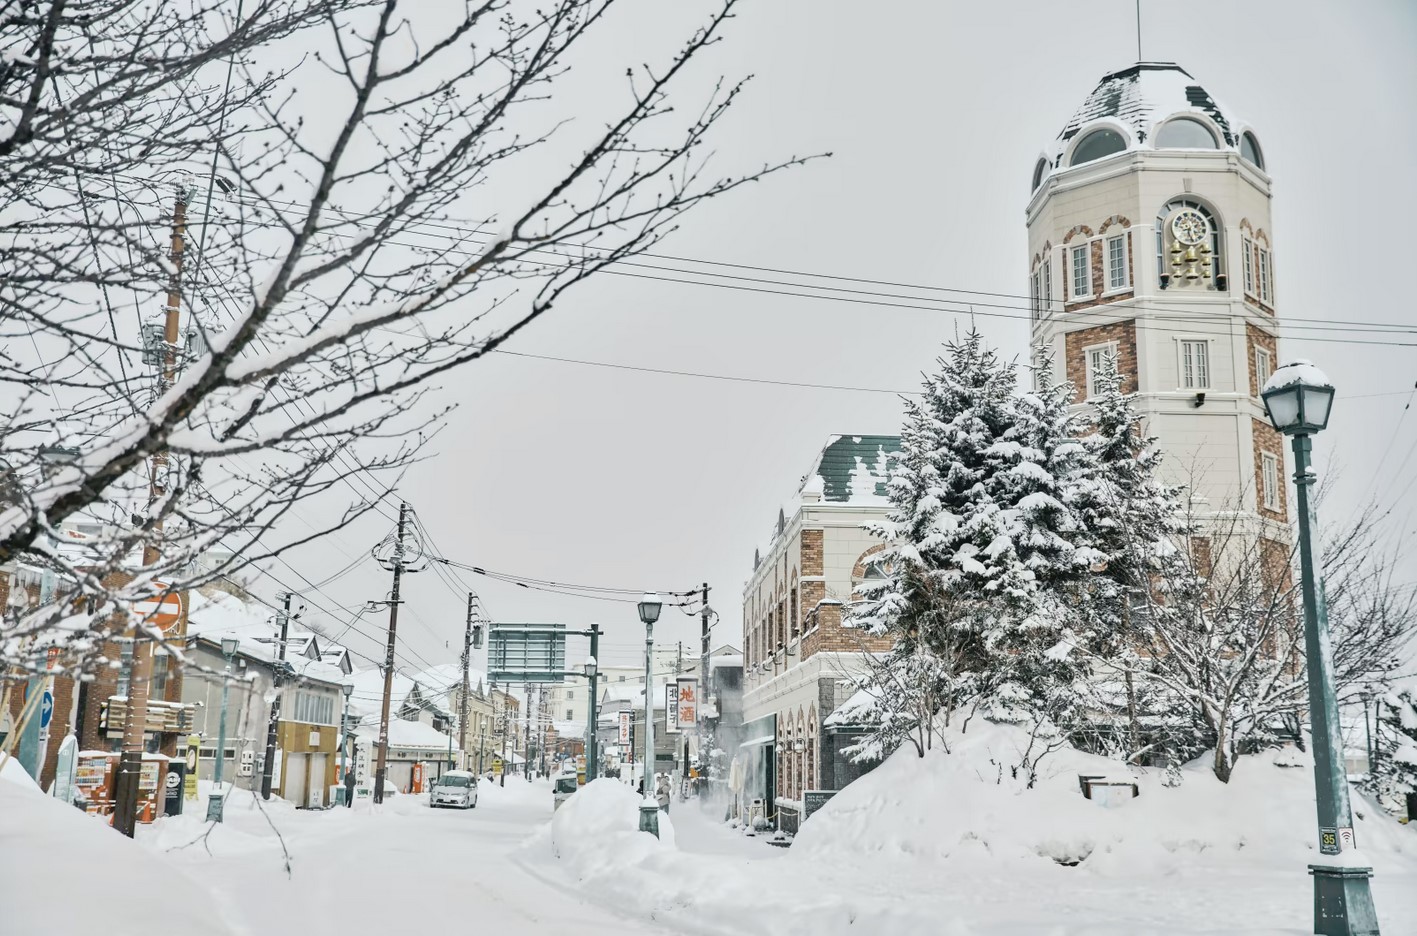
<point>765,739</point>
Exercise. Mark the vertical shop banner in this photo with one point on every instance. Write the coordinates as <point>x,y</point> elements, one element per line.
<point>671,710</point>
<point>625,727</point>
<point>687,703</point>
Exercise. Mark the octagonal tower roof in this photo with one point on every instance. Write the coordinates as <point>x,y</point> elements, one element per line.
<point>1144,93</point>
<point>1136,102</point>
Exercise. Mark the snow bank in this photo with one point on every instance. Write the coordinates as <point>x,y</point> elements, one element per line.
<point>62,871</point>
<point>958,843</point>
<point>971,805</point>
<point>596,831</point>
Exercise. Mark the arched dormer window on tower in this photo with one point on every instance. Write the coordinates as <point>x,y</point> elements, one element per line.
<point>1097,144</point>
<point>1189,246</point>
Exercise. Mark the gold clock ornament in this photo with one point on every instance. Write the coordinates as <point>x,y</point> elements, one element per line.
<point>1189,226</point>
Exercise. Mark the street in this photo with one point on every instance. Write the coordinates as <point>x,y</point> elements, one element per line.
<point>354,871</point>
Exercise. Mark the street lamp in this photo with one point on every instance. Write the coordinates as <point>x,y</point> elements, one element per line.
<point>592,748</point>
<point>348,690</point>
<point>1297,398</point>
<point>649,606</point>
<point>217,801</point>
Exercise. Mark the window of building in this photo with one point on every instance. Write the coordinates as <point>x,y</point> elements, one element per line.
<point>1047,284</point>
<point>1095,358</point>
<point>1081,271</point>
<point>1195,365</point>
<point>1039,171</point>
<point>1264,366</point>
<point>1096,145</point>
<point>1185,133</point>
<point>1266,286</point>
<point>1250,149</point>
<point>1270,480</point>
<point>570,713</point>
<point>570,693</point>
<point>1036,294</point>
<point>1118,275</point>
<point>1247,254</point>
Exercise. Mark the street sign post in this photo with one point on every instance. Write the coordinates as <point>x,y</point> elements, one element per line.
<point>526,653</point>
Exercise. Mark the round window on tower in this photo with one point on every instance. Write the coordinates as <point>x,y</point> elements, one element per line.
<point>1185,133</point>
<point>1096,145</point>
<point>1039,171</point>
<point>1250,149</point>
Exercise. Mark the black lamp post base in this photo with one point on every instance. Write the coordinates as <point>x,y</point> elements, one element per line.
<point>1343,902</point>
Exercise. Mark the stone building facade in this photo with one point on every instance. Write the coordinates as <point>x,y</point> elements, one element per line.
<point>800,660</point>
<point>1150,239</point>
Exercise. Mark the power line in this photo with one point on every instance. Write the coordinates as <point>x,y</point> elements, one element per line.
<point>1189,315</point>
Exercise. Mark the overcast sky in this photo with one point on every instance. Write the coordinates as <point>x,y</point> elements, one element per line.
<point>935,112</point>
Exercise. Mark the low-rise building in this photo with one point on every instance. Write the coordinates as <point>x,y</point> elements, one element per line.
<point>800,661</point>
<point>309,726</point>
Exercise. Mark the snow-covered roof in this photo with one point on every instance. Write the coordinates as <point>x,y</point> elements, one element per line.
<point>853,469</point>
<point>410,734</point>
<point>634,693</point>
<point>213,619</point>
<point>726,660</point>
<point>1139,98</point>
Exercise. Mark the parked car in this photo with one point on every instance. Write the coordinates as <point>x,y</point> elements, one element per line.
<point>566,784</point>
<point>455,788</point>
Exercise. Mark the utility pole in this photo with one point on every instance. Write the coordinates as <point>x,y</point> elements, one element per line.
<point>704,651</point>
<point>466,661</point>
<point>389,658</point>
<point>268,768</point>
<point>130,764</point>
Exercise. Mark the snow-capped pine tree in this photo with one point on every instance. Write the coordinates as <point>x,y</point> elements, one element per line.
<point>1132,519</point>
<point>983,544</point>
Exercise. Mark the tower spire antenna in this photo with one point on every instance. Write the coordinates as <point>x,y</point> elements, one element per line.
<point>1139,58</point>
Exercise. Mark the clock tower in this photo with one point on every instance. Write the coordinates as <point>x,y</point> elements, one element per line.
<point>1149,240</point>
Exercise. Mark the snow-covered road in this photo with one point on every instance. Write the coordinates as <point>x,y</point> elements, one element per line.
<point>406,868</point>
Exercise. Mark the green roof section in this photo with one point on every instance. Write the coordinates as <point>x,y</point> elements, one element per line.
<point>856,468</point>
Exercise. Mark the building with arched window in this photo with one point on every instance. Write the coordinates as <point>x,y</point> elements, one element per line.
<point>1150,240</point>
<point>802,656</point>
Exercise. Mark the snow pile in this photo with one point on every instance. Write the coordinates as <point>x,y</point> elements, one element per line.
<point>959,843</point>
<point>974,806</point>
<point>596,831</point>
<point>62,871</point>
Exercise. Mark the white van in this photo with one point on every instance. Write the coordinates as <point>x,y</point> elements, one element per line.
<point>565,785</point>
<point>455,788</point>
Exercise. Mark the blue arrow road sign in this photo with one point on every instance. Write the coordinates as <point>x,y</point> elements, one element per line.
<point>46,709</point>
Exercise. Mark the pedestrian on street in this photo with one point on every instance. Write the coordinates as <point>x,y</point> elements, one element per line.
<point>662,793</point>
<point>349,788</point>
<point>641,788</point>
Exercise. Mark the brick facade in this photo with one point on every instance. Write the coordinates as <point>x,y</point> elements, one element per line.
<point>1259,339</point>
<point>1269,441</point>
<point>1123,333</point>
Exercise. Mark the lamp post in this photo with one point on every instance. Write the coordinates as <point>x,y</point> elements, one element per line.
<point>1297,398</point>
<point>348,690</point>
<point>649,607</point>
<point>217,801</point>
<point>592,753</point>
